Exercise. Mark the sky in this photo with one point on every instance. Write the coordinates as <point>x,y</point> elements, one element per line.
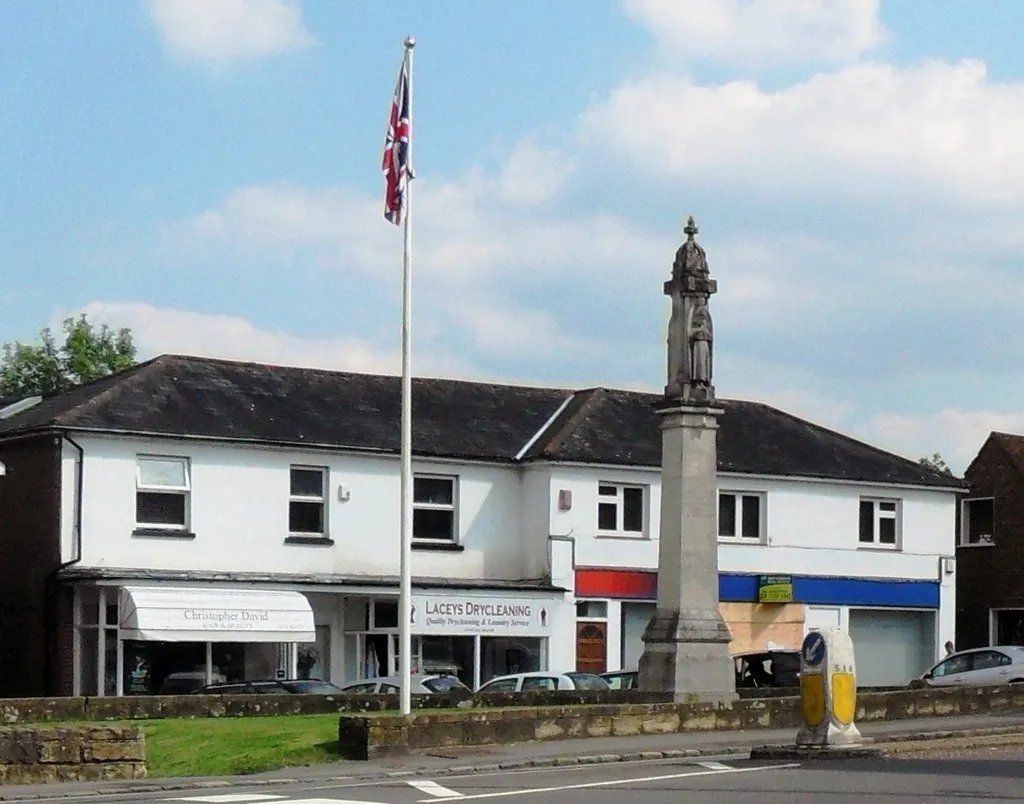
<point>208,174</point>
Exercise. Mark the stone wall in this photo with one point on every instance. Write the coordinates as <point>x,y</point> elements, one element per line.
<point>155,707</point>
<point>43,754</point>
<point>372,736</point>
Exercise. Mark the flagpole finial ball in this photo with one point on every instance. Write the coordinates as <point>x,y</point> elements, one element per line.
<point>410,42</point>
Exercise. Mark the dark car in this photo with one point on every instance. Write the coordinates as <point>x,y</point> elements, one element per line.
<point>292,686</point>
<point>769,668</point>
<point>621,679</point>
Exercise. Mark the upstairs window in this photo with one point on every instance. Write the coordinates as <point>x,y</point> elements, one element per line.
<point>434,508</point>
<point>307,501</point>
<point>879,523</point>
<point>162,491</point>
<point>740,516</point>
<point>620,509</point>
<point>976,521</point>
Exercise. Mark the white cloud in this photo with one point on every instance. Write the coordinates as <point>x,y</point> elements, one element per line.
<point>161,330</point>
<point>955,433</point>
<point>762,31</point>
<point>224,31</point>
<point>534,175</point>
<point>865,129</point>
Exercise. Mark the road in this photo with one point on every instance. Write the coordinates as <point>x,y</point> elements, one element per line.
<point>991,776</point>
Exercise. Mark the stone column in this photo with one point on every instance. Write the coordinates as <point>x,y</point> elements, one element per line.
<point>686,644</point>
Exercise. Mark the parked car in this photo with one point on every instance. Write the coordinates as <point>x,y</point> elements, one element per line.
<point>978,667</point>
<point>186,681</point>
<point>542,680</point>
<point>420,684</point>
<point>276,686</point>
<point>621,679</point>
<point>767,668</point>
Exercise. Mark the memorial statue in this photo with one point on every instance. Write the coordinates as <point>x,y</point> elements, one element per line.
<point>701,336</point>
<point>690,330</point>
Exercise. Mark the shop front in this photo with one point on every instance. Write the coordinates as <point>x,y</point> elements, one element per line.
<point>893,622</point>
<point>146,640</point>
<point>472,635</point>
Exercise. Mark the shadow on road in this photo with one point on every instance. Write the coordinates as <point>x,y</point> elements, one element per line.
<point>993,768</point>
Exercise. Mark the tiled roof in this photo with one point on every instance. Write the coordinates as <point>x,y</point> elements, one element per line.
<point>219,399</point>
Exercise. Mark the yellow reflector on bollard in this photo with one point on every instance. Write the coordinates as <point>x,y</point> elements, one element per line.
<point>812,692</point>
<point>844,698</point>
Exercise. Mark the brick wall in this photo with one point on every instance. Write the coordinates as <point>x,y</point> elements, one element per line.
<point>991,576</point>
<point>29,552</point>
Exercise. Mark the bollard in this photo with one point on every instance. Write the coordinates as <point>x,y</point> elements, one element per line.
<point>828,690</point>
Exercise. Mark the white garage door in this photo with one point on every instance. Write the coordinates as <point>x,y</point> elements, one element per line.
<point>891,647</point>
<point>635,617</point>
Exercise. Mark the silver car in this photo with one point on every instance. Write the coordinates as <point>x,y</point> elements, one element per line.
<point>978,667</point>
<point>420,684</point>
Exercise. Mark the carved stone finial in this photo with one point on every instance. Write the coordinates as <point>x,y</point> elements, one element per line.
<point>690,230</point>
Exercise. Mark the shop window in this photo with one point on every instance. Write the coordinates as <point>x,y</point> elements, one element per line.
<point>977,521</point>
<point>620,509</point>
<point>306,502</point>
<point>502,656</point>
<point>385,614</point>
<point>592,609</point>
<point>1009,626</point>
<point>879,523</point>
<point>162,492</point>
<point>740,516</point>
<point>434,509</point>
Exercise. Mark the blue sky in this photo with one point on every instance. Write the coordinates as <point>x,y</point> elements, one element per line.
<point>207,173</point>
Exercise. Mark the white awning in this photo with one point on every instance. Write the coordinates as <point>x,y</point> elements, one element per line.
<point>178,614</point>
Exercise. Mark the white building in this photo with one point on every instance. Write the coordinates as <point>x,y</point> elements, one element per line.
<point>234,520</point>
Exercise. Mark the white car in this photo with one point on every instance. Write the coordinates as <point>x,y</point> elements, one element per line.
<point>420,684</point>
<point>978,667</point>
<point>541,680</point>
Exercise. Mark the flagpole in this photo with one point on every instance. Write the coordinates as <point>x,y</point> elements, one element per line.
<point>405,577</point>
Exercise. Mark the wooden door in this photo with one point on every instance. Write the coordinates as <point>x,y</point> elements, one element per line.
<point>591,647</point>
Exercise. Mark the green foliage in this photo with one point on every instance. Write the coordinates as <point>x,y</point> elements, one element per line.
<point>48,368</point>
<point>937,463</point>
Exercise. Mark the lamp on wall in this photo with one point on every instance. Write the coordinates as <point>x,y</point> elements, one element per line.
<point>3,469</point>
<point>948,565</point>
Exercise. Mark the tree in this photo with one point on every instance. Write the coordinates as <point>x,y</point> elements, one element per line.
<point>937,463</point>
<point>46,368</point>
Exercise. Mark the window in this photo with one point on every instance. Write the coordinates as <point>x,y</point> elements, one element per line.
<point>539,683</point>
<point>987,659</point>
<point>739,515</point>
<point>306,508</point>
<point>592,609</point>
<point>433,508</point>
<point>977,520</point>
<point>162,492</point>
<point>620,509</point>
<point>878,522</point>
<point>500,685</point>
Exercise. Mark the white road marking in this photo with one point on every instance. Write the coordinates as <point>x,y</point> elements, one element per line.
<point>612,783</point>
<point>228,798</point>
<point>713,765</point>
<point>433,788</point>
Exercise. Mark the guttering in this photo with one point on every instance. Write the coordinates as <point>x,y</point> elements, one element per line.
<point>52,618</point>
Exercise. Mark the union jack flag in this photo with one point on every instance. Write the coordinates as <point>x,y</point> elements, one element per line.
<point>396,149</point>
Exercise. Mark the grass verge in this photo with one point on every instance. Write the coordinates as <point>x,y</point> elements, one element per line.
<point>232,746</point>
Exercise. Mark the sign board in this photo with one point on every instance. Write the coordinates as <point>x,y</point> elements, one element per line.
<point>775,589</point>
<point>455,614</point>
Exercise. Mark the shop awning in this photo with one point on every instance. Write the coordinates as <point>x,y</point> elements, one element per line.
<point>178,614</point>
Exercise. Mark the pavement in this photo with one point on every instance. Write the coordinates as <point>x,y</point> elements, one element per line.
<point>658,766</point>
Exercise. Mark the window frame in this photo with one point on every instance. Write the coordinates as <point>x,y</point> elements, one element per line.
<point>325,485</point>
<point>453,507</point>
<point>965,523</point>
<point>184,491</point>
<point>739,506</point>
<point>896,515</point>
<point>619,501</point>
